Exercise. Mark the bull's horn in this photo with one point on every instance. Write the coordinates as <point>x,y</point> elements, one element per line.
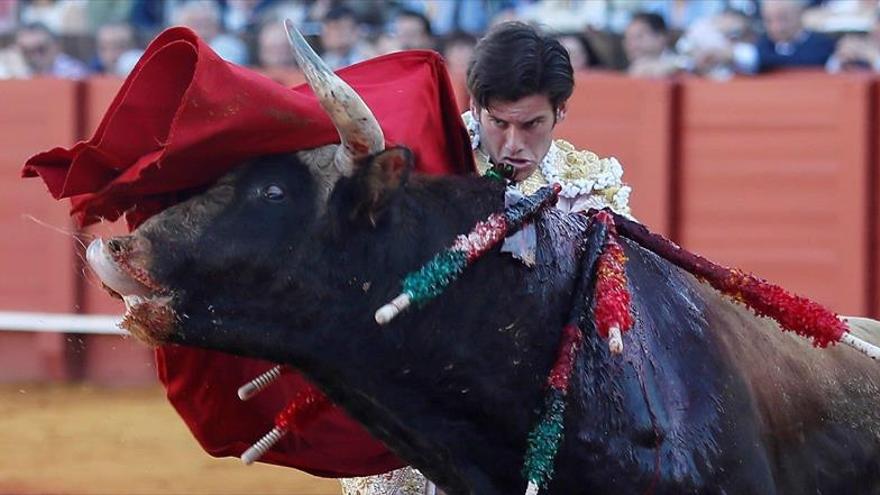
<point>358,129</point>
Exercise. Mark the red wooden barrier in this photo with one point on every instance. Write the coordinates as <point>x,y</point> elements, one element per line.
<point>630,119</point>
<point>459,86</point>
<point>773,174</point>
<point>874,214</point>
<point>37,262</point>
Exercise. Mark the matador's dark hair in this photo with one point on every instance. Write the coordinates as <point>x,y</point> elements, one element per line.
<point>515,60</point>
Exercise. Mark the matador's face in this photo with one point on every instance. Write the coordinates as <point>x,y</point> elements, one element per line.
<point>518,132</point>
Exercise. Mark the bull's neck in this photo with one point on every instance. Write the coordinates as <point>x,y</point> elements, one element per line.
<point>430,384</point>
<point>455,383</point>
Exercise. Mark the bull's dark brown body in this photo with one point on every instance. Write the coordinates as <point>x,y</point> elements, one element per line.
<point>706,398</point>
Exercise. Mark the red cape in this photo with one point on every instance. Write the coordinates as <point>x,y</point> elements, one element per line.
<point>182,119</point>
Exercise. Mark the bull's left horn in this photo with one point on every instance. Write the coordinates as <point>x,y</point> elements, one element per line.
<point>359,131</point>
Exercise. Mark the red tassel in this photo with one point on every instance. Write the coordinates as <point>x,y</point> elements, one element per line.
<point>561,372</point>
<point>794,313</point>
<point>612,292</point>
<point>482,237</point>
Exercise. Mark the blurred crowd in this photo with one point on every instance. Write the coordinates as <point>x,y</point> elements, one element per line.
<point>644,38</point>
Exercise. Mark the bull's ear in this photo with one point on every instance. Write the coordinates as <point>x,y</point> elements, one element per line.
<point>379,177</point>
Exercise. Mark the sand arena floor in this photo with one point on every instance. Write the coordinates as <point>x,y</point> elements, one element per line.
<point>76,439</point>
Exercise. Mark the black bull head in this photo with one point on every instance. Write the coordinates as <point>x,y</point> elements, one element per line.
<point>281,261</point>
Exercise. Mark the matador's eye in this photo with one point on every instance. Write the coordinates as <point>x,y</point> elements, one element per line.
<point>273,193</point>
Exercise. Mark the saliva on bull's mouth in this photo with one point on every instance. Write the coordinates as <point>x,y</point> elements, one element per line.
<point>148,313</point>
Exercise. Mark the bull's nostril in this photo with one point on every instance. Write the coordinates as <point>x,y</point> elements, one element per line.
<point>114,246</point>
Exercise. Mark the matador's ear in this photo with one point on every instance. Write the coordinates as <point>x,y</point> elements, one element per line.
<point>379,176</point>
<point>560,112</point>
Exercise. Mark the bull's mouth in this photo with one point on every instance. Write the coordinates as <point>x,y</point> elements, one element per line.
<point>120,264</point>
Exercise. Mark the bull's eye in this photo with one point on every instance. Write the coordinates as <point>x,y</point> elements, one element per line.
<point>273,193</point>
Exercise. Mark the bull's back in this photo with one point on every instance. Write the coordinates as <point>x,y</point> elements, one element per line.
<point>818,409</point>
<point>709,398</point>
<point>663,417</point>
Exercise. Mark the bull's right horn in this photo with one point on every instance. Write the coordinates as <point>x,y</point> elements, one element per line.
<point>359,131</point>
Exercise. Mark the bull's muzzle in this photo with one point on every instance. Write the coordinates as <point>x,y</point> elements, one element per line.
<point>122,265</point>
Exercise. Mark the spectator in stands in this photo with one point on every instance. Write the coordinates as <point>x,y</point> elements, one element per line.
<point>458,49</point>
<point>681,14</point>
<point>12,64</point>
<point>785,42</point>
<point>580,51</point>
<point>383,44</point>
<point>8,17</point>
<point>203,17</point>
<point>58,16</point>
<point>471,16</point>
<point>645,42</point>
<point>504,16</point>
<point>852,16</point>
<point>243,15</point>
<point>736,26</point>
<point>273,48</point>
<point>709,44</point>
<point>43,56</point>
<point>413,31</point>
<point>148,16</point>
<point>857,52</point>
<point>115,48</point>
<point>340,38</point>
<point>103,13</point>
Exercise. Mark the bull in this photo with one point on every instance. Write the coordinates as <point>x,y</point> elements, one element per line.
<point>287,257</point>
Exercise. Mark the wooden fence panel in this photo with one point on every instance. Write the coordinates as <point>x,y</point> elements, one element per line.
<point>36,255</point>
<point>773,176</point>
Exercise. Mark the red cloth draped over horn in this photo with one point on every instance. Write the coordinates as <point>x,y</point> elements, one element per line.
<point>182,119</point>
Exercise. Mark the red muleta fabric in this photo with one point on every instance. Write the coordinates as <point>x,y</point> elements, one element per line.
<point>181,120</point>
